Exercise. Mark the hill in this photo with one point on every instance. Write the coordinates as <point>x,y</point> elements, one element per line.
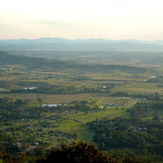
<point>6,58</point>
<point>62,44</point>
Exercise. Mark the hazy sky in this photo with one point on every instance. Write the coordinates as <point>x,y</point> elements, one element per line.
<point>81,19</point>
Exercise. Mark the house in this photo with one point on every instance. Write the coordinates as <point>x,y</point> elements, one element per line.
<point>112,104</point>
<point>51,105</point>
<point>30,88</point>
<point>36,144</point>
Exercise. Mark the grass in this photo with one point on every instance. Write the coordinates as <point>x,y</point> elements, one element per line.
<point>66,98</point>
<point>139,88</point>
<point>50,98</point>
<point>114,100</point>
<point>76,123</point>
<point>81,129</point>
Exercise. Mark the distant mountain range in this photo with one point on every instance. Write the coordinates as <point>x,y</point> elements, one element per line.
<point>61,44</point>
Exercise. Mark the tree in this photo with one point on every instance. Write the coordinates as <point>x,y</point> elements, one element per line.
<point>79,152</point>
<point>39,100</point>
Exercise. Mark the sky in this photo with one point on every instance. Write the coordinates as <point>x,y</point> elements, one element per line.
<point>82,19</point>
